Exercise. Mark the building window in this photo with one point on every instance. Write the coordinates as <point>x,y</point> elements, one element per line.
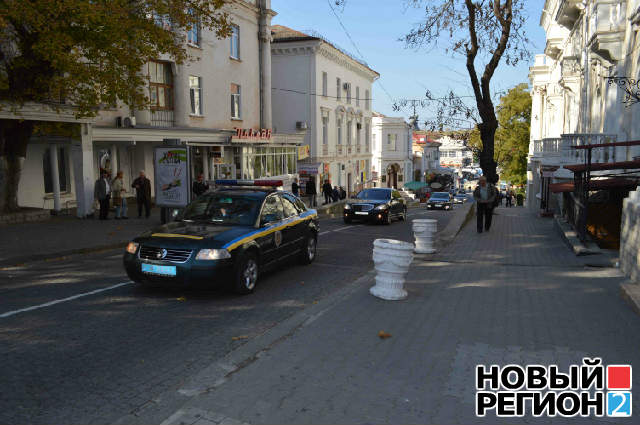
<point>160,86</point>
<point>338,89</point>
<point>325,130</point>
<point>391,142</point>
<point>349,130</point>
<point>357,96</point>
<point>63,170</point>
<point>193,35</point>
<point>235,42</point>
<point>349,93</point>
<point>195,92</point>
<point>235,101</point>
<point>324,84</point>
<point>339,127</point>
<point>358,131</point>
<point>367,100</point>
<point>367,132</point>
<point>163,21</point>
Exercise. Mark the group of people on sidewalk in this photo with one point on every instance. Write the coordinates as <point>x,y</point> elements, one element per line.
<point>107,189</point>
<point>331,194</point>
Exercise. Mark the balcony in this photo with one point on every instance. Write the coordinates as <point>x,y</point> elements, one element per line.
<point>162,118</point>
<point>569,12</point>
<point>577,156</point>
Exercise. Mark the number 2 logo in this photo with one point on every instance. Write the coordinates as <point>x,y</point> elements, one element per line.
<point>619,404</point>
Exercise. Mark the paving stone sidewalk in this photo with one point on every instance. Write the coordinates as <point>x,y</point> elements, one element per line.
<point>513,295</point>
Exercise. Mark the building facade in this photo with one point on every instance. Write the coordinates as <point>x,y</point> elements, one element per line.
<point>392,156</point>
<point>453,153</point>
<point>426,156</point>
<point>321,88</point>
<point>574,100</point>
<point>202,103</point>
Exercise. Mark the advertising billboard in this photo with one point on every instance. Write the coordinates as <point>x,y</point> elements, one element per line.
<point>171,171</point>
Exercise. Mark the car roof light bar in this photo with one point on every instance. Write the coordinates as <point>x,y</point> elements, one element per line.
<point>263,183</point>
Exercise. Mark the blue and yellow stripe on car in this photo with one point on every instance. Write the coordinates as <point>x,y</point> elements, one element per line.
<point>283,224</point>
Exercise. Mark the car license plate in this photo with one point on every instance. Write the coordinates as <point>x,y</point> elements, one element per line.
<point>362,213</point>
<point>161,270</point>
<point>438,205</point>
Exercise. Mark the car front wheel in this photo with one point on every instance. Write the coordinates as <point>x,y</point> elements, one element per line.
<point>246,274</point>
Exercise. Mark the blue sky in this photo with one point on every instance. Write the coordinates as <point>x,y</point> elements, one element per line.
<point>376,25</point>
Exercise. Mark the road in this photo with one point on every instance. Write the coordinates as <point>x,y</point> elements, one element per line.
<point>82,344</point>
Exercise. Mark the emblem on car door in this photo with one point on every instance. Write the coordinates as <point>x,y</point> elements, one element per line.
<point>161,254</point>
<point>277,238</point>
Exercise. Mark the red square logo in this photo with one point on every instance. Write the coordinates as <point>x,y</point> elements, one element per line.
<point>619,377</point>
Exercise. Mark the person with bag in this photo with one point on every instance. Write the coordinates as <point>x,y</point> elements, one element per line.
<point>119,200</point>
<point>310,190</point>
<point>485,196</point>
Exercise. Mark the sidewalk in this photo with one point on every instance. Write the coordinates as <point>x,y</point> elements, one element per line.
<point>516,294</point>
<point>66,235</point>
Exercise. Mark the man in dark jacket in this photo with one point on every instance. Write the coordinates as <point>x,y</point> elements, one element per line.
<point>327,190</point>
<point>310,190</point>
<point>485,196</point>
<point>199,186</point>
<point>295,189</point>
<point>143,194</point>
<point>102,193</point>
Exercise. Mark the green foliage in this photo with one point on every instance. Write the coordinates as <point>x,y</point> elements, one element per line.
<point>91,53</point>
<point>512,136</point>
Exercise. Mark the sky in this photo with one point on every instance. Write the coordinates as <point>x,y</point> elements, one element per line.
<point>375,27</point>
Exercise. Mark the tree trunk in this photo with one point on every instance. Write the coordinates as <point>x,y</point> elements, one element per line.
<point>487,163</point>
<point>15,137</point>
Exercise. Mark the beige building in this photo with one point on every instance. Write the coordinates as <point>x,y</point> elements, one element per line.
<point>322,88</point>
<point>202,103</point>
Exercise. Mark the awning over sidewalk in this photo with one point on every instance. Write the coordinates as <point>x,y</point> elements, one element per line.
<point>600,166</point>
<point>613,183</point>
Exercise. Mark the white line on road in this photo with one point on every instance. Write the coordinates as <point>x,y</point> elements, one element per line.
<point>335,230</point>
<point>62,300</point>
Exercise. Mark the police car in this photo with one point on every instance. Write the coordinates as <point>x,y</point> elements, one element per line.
<point>227,236</point>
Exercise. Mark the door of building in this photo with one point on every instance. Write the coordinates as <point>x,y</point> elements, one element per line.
<point>225,171</point>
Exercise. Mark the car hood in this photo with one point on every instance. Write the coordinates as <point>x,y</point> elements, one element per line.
<point>439,199</point>
<point>192,235</point>
<point>368,201</point>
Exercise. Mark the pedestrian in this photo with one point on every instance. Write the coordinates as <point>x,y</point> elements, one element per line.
<point>335,194</point>
<point>327,191</point>
<point>485,195</point>
<point>295,189</point>
<point>102,193</point>
<point>343,194</point>
<point>143,194</point>
<point>119,199</point>
<point>199,186</point>
<point>310,190</point>
<point>509,200</point>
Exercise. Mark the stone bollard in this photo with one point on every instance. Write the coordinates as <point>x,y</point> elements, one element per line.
<point>423,231</point>
<point>392,259</point>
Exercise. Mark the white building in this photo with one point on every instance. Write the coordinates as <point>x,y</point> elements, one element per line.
<point>453,153</point>
<point>202,103</point>
<point>573,101</point>
<point>426,156</point>
<point>318,86</point>
<point>392,153</point>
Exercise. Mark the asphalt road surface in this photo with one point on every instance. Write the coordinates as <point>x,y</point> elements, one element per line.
<point>82,344</point>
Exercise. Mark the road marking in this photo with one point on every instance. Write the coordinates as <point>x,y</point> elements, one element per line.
<point>337,230</point>
<point>62,300</point>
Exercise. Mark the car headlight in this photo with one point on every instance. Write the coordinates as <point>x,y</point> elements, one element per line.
<point>347,206</point>
<point>132,247</point>
<point>212,254</point>
<point>381,207</point>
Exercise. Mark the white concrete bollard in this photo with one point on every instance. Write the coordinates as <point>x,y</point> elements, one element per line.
<point>423,231</point>
<point>392,259</point>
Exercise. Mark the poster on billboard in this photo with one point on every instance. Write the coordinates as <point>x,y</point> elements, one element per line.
<point>171,176</point>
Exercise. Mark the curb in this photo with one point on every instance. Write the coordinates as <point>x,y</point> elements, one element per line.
<point>571,239</point>
<point>448,234</point>
<point>20,261</point>
<point>171,402</point>
<point>630,292</point>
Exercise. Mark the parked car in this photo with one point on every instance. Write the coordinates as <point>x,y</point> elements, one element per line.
<point>227,236</point>
<point>378,205</point>
<point>442,200</point>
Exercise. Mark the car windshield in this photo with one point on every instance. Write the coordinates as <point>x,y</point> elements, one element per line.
<point>374,194</point>
<point>440,195</point>
<point>224,208</point>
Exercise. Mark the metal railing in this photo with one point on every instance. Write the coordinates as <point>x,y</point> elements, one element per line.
<point>162,118</point>
<point>576,156</point>
<point>325,150</point>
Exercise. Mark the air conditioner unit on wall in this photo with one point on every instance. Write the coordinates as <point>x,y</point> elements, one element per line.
<point>301,125</point>
<point>125,122</point>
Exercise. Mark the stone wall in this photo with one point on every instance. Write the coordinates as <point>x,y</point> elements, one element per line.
<point>630,236</point>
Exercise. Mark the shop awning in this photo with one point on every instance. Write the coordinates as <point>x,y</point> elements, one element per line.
<point>600,166</point>
<point>614,183</point>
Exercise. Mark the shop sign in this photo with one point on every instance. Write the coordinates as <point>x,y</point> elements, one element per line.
<point>171,176</point>
<point>251,135</point>
<point>309,168</point>
<point>303,152</point>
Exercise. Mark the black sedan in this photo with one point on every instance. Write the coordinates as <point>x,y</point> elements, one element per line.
<point>226,238</point>
<point>378,205</point>
<point>442,200</point>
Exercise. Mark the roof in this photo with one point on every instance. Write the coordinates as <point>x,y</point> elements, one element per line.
<point>600,166</point>
<point>613,183</point>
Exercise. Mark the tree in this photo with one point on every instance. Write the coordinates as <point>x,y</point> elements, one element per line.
<point>512,136</point>
<point>85,54</point>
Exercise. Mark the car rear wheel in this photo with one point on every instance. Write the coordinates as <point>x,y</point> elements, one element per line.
<point>246,274</point>
<point>308,253</point>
